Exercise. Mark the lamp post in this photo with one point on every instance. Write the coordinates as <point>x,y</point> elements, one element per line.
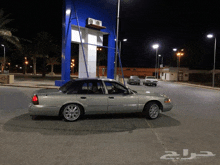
<point>116,50</point>
<point>213,72</point>
<point>159,55</point>
<point>124,40</point>
<point>156,46</point>
<point>179,54</point>
<point>4,58</point>
<point>26,63</point>
<point>72,65</point>
<point>174,50</point>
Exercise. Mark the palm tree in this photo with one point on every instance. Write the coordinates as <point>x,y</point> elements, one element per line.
<point>2,61</point>
<point>6,33</point>
<point>43,45</point>
<point>52,61</point>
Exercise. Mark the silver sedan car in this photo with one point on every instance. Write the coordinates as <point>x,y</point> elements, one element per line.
<point>95,96</point>
<point>150,80</point>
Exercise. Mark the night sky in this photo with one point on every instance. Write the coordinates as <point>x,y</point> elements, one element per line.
<point>181,24</point>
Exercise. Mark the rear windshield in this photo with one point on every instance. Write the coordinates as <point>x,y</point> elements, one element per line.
<point>66,86</point>
<point>134,77</point>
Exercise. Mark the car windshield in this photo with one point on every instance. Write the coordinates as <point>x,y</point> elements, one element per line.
<point>134,77</point>
<point>66,86</point>
<point>150,77</point>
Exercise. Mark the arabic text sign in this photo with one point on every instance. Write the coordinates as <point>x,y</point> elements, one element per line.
<point>171,155</point>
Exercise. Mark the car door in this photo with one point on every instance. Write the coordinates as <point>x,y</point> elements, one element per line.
<point>119,99</point>
<point>90,95</point>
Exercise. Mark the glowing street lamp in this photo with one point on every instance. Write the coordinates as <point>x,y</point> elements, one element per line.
<point>4,58</point>
<point>213,72</point>
<point>26,63</point>
<point>156,46</point>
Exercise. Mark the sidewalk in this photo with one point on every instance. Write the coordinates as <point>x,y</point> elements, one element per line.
<point>198,86</point>
<point>34,81</point>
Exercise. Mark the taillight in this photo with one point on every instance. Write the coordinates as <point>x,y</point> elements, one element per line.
<point>35,100</point>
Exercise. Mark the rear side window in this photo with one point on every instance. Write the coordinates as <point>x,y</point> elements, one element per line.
<point>91,87</point>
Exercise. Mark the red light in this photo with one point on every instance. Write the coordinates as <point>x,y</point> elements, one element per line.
<point>35,99</point>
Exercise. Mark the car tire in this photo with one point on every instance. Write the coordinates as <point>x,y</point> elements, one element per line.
<point>71,112</point>
<point>152,110</point>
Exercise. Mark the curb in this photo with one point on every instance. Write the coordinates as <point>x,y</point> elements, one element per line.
<point>198,86</point>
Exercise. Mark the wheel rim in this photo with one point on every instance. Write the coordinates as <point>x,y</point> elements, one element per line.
<point>71,112</point>
<point>154,111</point>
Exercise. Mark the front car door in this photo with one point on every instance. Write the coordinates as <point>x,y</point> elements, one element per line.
<point>90,95</point>
<point>119,98</point>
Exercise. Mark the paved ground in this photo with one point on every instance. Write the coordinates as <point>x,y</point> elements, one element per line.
<point>128,139</point>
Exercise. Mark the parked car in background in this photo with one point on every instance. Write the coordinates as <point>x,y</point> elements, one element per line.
<point>150,80</point>
<point>134,80</point>
<point>95,96</point>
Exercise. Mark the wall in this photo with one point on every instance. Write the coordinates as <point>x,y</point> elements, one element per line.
<point>141,72</point>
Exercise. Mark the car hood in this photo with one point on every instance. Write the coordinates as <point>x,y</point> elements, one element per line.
<point>148,93</point>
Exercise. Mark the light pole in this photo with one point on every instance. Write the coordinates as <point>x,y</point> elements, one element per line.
<point>116,50</point>
<point>4,58</point>
<point>158,63</point>
<point>179,54</point>
<point>156,46</point>
<point>174,50</point>
<point>213,72</point>
<point>124,40</point>
<point>26,63</point>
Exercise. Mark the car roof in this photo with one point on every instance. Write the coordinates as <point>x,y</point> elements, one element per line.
<point>85,79</point>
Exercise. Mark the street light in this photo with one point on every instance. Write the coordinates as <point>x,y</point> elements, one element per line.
<point>72,64</point>
<point>156,46</point>
<point>26,63</point>
<point>116,50</point>
<point>213,72</point>
<point>4,58</point>
<point>124,40</point>
<point>159,55</point>
<point>179,54</point>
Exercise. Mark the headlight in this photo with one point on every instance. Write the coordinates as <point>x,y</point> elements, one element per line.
<point>167,100</point>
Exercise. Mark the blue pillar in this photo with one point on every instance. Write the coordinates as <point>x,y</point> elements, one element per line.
<point>111,56</point>
<point>66,44</point>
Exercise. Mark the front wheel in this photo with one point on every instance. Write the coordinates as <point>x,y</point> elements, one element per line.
<point>71,112</point>
<point>152,110</point>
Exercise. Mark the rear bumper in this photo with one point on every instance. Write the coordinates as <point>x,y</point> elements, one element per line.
<point>43,110</point>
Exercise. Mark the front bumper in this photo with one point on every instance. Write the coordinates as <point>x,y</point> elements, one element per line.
<point>167,107</point>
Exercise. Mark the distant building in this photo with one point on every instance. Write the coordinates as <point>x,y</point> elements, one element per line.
<point>174,74</point>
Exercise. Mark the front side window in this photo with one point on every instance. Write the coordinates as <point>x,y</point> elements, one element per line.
<point>115,88</point>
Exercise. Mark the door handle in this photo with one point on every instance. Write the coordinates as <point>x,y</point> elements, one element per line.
<point>111,97</point>
<point>83,97</point>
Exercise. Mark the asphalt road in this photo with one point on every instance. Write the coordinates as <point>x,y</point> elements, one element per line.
<point>191,127</point>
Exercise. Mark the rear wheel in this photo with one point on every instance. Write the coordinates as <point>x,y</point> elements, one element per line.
<point>152,110</point>
<point>72,112</point>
